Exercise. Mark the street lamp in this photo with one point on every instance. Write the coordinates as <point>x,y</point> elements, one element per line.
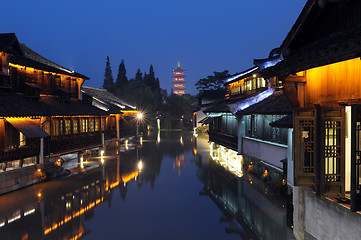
<point>139,117</point>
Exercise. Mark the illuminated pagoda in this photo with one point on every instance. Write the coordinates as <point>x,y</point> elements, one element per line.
<point>178,81</point>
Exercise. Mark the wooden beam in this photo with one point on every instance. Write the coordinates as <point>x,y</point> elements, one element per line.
<point>295,78</point>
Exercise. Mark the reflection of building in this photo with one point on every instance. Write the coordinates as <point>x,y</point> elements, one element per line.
<point>62,214</point>
<point>245,203</point>
<point>178,81</point>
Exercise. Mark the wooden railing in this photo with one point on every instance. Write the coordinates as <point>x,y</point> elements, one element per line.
<point>223,139</point>
<point>61,145</point>
<point>19,153</point>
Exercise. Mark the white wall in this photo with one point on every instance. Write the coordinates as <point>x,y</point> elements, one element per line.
<point>322,218</point>
<point>268,152</point>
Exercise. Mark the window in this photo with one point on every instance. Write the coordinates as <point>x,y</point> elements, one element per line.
<point>332,151</point>
<point>83,125</point>
<point>97,124</point>
<point>46,127</point>
<point>67,123</point>
<point>56,127</point>
<point>61,127</point>
<point>91,125</point>
<point>75,126</point>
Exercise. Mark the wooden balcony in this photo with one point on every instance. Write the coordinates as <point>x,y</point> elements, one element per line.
<point>75,142</point>
<point>19,153</point>
<point>223,139</point>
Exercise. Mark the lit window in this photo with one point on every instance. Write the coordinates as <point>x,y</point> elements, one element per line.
<point>75,126</point>
<point>67,127</point>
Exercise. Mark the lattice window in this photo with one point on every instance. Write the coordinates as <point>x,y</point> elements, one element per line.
<point>332,151</point>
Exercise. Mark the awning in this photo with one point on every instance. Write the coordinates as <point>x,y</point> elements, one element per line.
<point>206,120</point>
<point>28,127</point>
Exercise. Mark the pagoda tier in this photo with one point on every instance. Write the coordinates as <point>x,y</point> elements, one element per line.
<point>178,81</point>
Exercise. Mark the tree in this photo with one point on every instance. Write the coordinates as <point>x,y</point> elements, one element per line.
<point>122,79</point>
<point>108,83</point>
<point>214,82</point>
<point>139,76</point>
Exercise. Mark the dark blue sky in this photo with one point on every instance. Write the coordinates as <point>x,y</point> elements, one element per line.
<point>205,36</point>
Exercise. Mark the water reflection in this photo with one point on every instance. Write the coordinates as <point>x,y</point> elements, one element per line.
<point>244,201</point>
<point>78,206</point>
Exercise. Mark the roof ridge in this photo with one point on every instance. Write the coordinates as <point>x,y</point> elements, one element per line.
<point>100,89</point>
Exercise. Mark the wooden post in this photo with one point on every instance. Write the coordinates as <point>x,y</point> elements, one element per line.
<point>117,117</point>
<point>41,153</point>
<point>319,168</point>
<point>354,206</point>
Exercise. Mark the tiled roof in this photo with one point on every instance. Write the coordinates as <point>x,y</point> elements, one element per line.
<point>112,102</point>
<point>219,107</point>
<point>336,47</point>
<point>285,122</point>
<point>15,105</point>
<point>277,103</point>
<point>25,56</point>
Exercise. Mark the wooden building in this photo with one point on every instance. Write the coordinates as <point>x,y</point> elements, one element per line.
<point>121,121</point>
<point>321,73</point>
<point>41,113</point>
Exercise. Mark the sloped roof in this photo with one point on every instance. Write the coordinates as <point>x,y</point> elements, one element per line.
<point>337,47</point>
<point>112,102</point>
<point>9,43</point>
<point>285,122</point>
<point>25,56</point>
<point>277,103</point>
<point>19,106</point>
<point>219,107</point>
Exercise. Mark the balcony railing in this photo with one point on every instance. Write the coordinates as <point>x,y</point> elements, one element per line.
<point>223,139</point>
<point>66,144</point>
<point>19,153</point>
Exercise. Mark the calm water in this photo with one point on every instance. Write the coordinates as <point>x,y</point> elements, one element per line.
<point>168,188</point>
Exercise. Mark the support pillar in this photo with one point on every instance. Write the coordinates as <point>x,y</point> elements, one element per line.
<point>117,118</point>
<point>41,153</point>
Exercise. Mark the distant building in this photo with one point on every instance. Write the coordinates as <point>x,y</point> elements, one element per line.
<point>178,81</point>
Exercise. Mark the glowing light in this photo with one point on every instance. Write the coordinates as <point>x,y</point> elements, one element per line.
<point>2,224</point>
<point>14,218</point>
<point>139,115</point>
<point>265,174</point>
<point>140,166</point>
<point>82,162</point>
<point>39,195</point>
<point>102,159</point>
<point>240,75</point>
<point>102,153</point>
<point>29,212</point>
<point>126,145</point>
<point>141,140</point>
<point>39,170</point>
<point>252,100</point>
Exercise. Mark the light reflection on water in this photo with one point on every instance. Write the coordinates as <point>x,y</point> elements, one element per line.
<point>133,192</point>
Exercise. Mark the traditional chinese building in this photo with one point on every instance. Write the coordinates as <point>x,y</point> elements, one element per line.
<point>321,73</point>
<point>41,113</point>
<point>121,121</point>
<point>178,81</point>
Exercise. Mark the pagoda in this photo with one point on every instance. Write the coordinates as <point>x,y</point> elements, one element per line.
<point>178,81</point>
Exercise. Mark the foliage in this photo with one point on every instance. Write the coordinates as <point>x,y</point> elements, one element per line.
<point>108,77</point>
<point>179,106</point>
<point>214,82</point>
<point>122,79</point>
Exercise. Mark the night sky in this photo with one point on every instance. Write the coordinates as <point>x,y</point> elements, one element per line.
<point>205,36</point>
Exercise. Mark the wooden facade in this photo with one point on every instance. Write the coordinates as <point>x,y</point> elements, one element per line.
<point>42,113</point>
<point>321,73</point>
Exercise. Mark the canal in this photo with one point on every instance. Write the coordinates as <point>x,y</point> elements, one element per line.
<point>172,186</point>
